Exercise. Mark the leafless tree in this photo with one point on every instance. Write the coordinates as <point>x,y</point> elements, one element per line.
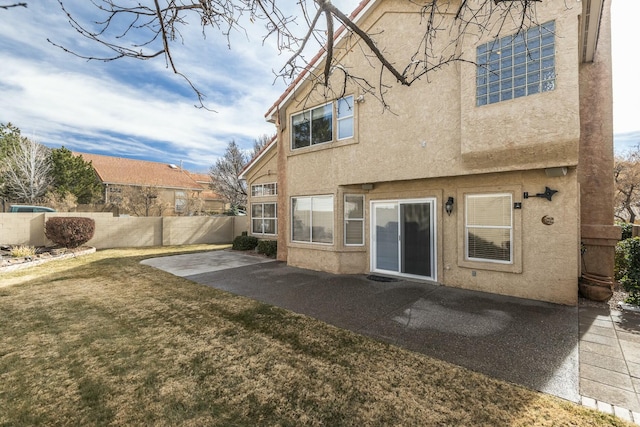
<point>9,6</point>
<point>139,201</point>
<point>150,29</point>
<point>225,176</point>
<point>627,185</point>
<point>261,142</point>
<point>27,170</point>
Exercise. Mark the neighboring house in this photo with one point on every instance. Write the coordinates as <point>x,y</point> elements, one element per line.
<point>212,202</point>
<point>169,185</point>
<point>446,189</point>
<point>262,188</point>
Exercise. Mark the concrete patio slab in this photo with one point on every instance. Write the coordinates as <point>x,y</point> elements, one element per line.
<point>525,342</point>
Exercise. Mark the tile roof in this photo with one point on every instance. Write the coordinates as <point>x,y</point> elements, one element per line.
<point>254,159</point>
<point>314,60</point>
<point>119,170</point>
<point>204,180</point>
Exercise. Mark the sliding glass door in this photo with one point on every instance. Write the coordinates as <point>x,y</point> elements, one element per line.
<point>403,237</point>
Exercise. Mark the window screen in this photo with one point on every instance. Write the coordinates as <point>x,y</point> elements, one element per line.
<point>354,220</point>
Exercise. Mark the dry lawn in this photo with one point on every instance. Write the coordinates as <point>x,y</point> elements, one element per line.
<point>104,340</point>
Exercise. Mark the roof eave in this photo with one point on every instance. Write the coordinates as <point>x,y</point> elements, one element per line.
<point>359,12</point>
<point>260,155</point>
<point>590,28</point>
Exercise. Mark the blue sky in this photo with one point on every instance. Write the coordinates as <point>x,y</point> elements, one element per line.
<point>139,109</point>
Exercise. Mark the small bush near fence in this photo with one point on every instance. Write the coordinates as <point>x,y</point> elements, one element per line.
<point>69,232</point>
<point>627,230</point>
<point>268,247</point>
<point>627,268</point>
<point>244,243</point>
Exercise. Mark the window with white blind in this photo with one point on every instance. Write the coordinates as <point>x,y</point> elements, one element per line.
<point>312,219</point>
<point>489,228</point>
<point>354,220</point>
<point>264,218</point>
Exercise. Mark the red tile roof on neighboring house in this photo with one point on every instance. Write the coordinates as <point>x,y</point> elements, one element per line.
<point>315,59</point>
<point>204,180</point>
<point>118,170</point>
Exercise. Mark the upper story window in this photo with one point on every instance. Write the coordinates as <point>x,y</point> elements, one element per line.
<point>315,126</point>
<point>517,65</point>
<point>259,190</point>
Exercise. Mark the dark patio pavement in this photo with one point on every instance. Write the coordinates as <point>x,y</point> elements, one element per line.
<point>526,342</point>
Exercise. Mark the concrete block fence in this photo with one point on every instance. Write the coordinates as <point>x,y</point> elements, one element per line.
<point>119,232</point>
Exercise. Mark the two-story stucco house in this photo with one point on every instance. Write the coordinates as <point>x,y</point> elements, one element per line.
<point>491,176</point>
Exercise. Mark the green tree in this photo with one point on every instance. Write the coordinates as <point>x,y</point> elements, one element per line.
<point>9,138</point>
<point>73,175</point>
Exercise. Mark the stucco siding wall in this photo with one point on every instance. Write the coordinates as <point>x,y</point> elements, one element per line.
<point>540,130</point>
<point>546,257</point>
<point>434,128</point>
<point>436,143</point>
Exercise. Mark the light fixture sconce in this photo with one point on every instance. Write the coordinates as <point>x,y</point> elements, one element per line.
<point>449,206</point>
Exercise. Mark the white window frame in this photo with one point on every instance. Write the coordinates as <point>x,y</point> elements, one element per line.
<point>333,229</point>
<point>348,219</point>
<point>515,66</point>
<point>263,218</point>
<point>510,227</point>
<point>347,117</point>
<point>257,190</point>
<point>335,122</point>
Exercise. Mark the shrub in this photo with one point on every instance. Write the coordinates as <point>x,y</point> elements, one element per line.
<point>627,230</point>
<point>69,232</point>
<point>268,247</point>
<point>627,268</point>
<point>23,251</point>
<point>244,243</point>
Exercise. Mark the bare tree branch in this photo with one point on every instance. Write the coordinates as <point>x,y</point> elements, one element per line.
<point>8,6</point>
<point>145,31</point>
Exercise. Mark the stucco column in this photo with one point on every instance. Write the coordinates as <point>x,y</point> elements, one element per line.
<point>283,207</point>
<point>595,166</point>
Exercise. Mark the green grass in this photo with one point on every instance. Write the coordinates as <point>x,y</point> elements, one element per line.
<point>103,340</point>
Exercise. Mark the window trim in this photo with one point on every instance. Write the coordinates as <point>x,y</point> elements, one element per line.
<point>334,123</point>
<point>333,228</point>
<point>510,227</point>
<point>255,187</point>
<point>349,117</point>
<point>345,219</point>
<point>262,218</point>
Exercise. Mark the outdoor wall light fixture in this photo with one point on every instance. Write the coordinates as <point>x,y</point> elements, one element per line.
<point>548,194</point>
<point>449,206</point>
